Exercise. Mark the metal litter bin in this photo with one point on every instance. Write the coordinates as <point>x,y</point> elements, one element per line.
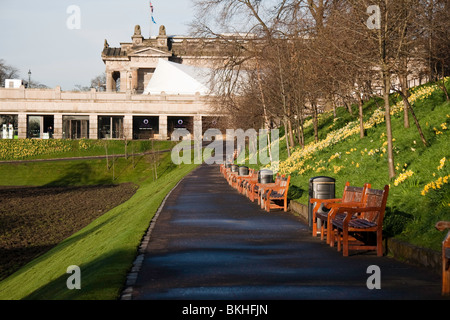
<point>243,171</point>
<point>320,188</point>
<point>265,176</point>
<point>234,168</point>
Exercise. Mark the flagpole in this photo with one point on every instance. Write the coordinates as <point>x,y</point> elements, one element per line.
<point>151,19</point>
<point>151,13</point>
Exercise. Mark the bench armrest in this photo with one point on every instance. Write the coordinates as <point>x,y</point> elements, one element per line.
<point>351,211</point>
<point>324,200</point>
<point>442,225</point>
<point>351,204</point>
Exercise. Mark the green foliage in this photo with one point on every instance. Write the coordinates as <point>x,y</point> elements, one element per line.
<point>343,155</point>
<point>106,248</point>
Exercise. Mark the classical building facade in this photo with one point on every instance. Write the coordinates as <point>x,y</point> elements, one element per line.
<point>122,111</point>
<point>133,63</point>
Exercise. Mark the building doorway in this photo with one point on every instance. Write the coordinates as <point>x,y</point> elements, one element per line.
<point>40,127</point>
<point>75,127</point>
<point>180,123</point>
<point>145,127</point>
<point>110,127</point>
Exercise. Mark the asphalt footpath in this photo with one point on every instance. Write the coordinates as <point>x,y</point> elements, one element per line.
<point>209,242</point>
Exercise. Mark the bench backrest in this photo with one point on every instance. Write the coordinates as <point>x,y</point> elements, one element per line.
<point>377,199</point>
<point>354,194</point>
<point>284,183</point>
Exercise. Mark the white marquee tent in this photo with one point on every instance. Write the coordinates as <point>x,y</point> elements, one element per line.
<point>175,78</point>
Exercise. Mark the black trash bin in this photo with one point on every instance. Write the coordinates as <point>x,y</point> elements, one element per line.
<point>243,171</point>
<point>320,188</point>
<point>265,176</point>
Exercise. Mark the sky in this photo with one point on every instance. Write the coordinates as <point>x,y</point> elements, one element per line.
<point>61,47</point>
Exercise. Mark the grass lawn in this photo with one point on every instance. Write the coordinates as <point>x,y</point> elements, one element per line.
<point>106,248</point>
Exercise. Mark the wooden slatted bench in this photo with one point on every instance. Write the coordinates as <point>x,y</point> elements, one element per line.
<point>245,180</point>
<point>277,194</point>
<point>262,188</point>
<point>352,196</point>
<point>441,226</point>
<point>254,188</point>
<point>361,222</point>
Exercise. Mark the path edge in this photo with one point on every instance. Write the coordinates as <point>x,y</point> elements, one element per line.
<point>127,292</point>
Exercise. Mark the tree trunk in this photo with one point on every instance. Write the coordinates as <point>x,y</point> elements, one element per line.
<point>408,105</point>
<point>288,148</point>
<point>387,113</point>
<point>263,101</point>
<point>315,122</point>
<point>291,133</point>
<point>443,87</point>
<point>361,120</point>
<point>404,91</point>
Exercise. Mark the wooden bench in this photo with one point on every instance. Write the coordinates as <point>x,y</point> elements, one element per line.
<point>362,222</point>
<point>274,195</point>
<point>254,188</point>
<point>441,226</point>
<point>352,196</point>
<point>262,188</point>
<point>245,180</point>
<point>231,176</point>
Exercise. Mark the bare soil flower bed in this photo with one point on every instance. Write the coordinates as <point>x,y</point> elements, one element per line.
<point>35,219</point>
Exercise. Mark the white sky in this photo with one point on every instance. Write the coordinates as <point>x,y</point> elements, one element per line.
<point>34,34</point>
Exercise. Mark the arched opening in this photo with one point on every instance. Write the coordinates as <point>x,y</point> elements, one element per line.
<point>116,80</point>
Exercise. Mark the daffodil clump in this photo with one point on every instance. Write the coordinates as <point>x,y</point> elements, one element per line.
<point>439,182</point>
<point>402,177</point>
<point>28,148</point>
<point>294,164</point>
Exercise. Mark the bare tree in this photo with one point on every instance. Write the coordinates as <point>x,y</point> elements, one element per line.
<point>7,72</point>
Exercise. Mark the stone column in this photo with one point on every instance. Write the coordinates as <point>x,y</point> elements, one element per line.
<point>22,125</point>
<point>134,80</point>
<point>163,127</point>
<point>123,81</point>
<point>128,126</point>
<point>110,83</point>
<point>57,126</point>
<point>93,126</point>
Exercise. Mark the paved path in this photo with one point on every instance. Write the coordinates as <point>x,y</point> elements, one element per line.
<point>210,242</point>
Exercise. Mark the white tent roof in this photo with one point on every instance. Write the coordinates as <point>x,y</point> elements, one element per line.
<point>176,78</point>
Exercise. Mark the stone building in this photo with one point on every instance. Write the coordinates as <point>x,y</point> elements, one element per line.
<point>122,111</point>
<point>133,63</point>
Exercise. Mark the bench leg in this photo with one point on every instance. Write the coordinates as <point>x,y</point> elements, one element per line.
<point>345,242</point>
<point>445,275</point>
<point>314,229</point>
<point>379,243</point>
<point>446,266</point>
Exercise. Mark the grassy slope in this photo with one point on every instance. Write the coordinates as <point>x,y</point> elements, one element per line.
<point>411,216</point>
<point>105,249</point>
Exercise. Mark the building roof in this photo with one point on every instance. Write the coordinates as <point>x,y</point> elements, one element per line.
<point>114,52</point>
